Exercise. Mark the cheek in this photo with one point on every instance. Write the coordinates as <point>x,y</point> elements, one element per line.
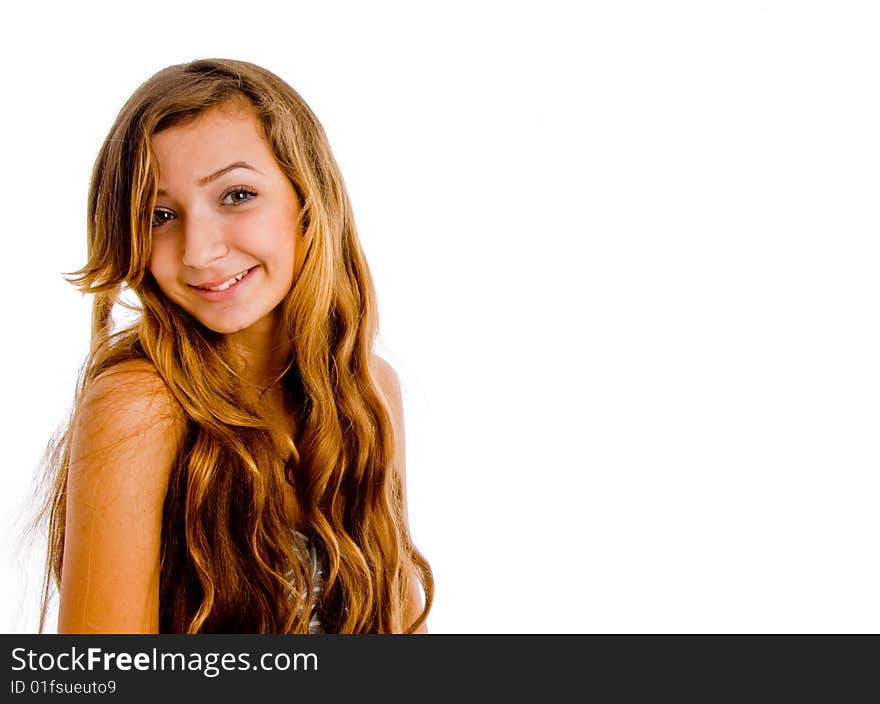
<point>161,262</point>
<point>275,237</point>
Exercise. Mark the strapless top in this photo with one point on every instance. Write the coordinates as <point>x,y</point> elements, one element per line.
<point>310,556</point>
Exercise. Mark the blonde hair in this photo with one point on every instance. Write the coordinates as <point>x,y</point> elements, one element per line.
<point>227,471</point>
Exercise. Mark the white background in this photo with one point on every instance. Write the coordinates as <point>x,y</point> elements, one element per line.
<point>626,255</point>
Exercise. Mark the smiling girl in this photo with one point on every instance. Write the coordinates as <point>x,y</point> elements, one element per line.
<point>235,458</point>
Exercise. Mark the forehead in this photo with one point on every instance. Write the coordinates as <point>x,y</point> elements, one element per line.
<point>218,136</point>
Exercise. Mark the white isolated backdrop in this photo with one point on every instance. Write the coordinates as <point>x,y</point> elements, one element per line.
<point>625,255</point>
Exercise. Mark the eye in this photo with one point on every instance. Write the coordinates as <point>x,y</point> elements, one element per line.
<point>238,195</point>
<point>161,216</point>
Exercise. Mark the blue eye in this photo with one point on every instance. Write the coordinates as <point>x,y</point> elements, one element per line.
<point>238,195</point>
<point>161,216</point>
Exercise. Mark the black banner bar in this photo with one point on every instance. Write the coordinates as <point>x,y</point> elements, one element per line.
<point>246,668</point>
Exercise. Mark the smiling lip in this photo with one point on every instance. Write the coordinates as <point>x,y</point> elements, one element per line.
<point>225,294</point>
<point>217,282</point>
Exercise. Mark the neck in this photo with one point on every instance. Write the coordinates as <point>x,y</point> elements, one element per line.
<point>262,353</point>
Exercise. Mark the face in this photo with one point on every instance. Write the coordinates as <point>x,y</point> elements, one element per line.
<point>225,224</point>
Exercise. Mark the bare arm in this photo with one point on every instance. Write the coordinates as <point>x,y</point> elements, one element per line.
<point>391,388</point>
<point>125,438</point>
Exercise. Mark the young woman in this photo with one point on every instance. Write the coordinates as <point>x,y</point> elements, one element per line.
<point>235,458</point>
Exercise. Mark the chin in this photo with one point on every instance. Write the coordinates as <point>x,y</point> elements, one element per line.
<point>219,324</point>
<point>225,328</point>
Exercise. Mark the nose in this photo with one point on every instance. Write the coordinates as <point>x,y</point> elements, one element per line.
<point>203,243</point>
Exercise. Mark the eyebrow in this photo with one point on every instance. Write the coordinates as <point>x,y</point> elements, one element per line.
<point>218,173</point>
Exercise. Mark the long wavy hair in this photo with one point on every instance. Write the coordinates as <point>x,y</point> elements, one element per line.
<point>228,556</point>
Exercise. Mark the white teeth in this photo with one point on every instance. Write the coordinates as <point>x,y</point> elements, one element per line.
<point>226,284</point>
<point>223,287</point>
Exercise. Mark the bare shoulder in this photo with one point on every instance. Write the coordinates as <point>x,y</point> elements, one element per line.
<point>128,409</point>
<point>126,434</point>
<point>127,430</point>
<point>390,385</point>
<point>131,384</point>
